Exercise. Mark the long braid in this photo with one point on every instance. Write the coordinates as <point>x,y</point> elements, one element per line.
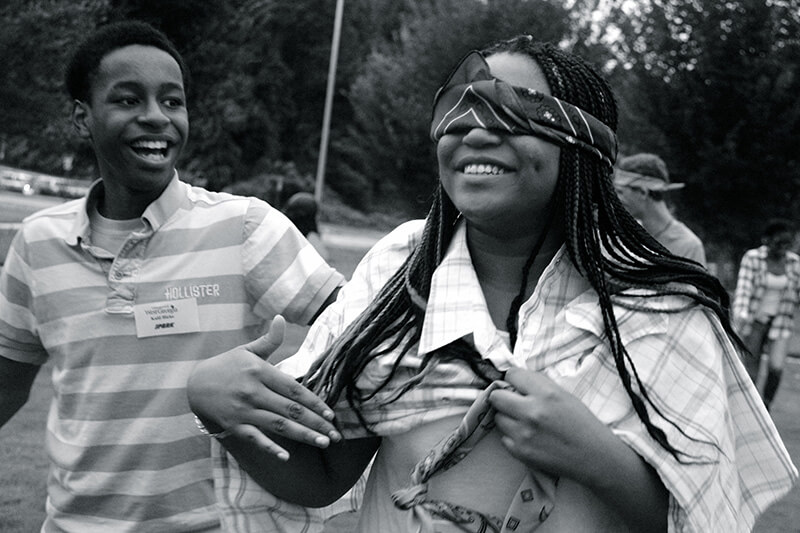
<point>393,318</point>
<point>596,222</point>
<point>516,303</point>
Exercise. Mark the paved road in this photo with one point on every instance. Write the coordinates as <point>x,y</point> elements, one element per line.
<point>14,207</point>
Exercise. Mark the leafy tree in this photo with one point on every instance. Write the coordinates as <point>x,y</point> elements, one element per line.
<point>34,124</point>
<point>721,83</point>
<point>298,34</point>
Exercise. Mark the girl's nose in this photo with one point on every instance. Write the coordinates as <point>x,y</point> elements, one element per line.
<point>477,137</point>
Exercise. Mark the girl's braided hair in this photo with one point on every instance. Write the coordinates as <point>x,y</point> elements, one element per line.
<point>607,245</point>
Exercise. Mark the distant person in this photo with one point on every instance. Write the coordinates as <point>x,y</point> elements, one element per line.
<point>126,289</point>
<point>524,357</point>
<point>765,302</point>
<point>641,181</point>
<point>302,210</point>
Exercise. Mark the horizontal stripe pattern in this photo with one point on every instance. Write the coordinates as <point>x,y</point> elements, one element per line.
<point>135,508</point>
<point>122,405</point>
<point>121,350</point>
<point>194,521</point>
<point>126,465</point>
<point>125,452</point>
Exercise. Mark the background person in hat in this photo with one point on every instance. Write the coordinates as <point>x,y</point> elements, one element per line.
<point>641,181</point>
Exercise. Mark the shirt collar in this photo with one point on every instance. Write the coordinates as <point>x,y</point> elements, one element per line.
<point>156,214</point>
<point>167,204</point>
<point>457,308</point>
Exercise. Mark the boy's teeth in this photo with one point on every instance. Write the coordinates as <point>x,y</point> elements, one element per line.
<point>153,150</point>
<point>475,168</point>
<point>151,145</point>
<point>153,156</point>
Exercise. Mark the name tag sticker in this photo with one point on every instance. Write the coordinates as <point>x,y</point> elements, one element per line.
<point>167,318</point>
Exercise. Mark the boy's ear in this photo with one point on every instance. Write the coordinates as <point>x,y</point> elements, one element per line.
<point>81,119</point>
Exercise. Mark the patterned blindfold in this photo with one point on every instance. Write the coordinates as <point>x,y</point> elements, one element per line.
<point>472,98</point>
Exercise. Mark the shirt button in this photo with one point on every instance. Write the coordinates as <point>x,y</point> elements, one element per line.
<point>118,275</point>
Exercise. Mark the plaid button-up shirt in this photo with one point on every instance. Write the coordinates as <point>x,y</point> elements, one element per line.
<point>750,290</point>
<point>738,464</point>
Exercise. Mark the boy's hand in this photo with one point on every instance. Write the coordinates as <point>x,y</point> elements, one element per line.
<point>240,391</point>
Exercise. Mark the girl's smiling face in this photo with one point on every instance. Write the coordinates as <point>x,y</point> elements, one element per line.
<point>501,183</point>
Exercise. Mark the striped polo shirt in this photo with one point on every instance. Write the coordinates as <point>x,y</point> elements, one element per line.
<point>123,333</point>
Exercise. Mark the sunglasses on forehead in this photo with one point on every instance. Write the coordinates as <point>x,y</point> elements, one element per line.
<point>473,98</point>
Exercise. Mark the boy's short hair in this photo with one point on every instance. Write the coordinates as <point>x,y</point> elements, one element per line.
<point>86,59</point>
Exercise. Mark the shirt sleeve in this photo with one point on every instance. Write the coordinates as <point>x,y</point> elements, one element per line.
<point>732,464</point>
<point>744,289</point>
<point>783,325</point>
<point>284,273</point>
<point>369,277</point>
<point>19,338</point>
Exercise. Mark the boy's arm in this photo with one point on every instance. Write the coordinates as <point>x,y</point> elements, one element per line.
<point>281,433</point>
<point>16,380</point>
<point>312,477</point>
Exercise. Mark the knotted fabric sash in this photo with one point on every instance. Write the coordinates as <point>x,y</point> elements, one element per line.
<point>472,98</point>
<point>532,502</point>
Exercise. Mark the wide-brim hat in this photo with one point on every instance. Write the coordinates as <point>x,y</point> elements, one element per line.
<point>650,183</point>
<point>645,171</point>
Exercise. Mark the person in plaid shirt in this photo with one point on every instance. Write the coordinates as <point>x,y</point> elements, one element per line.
<point>527,357</point>
<point>765,300</point>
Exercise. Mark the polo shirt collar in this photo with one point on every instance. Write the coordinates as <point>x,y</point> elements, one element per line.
<point>156,214</point>
<point>167,204</point>
<point>80,228</point>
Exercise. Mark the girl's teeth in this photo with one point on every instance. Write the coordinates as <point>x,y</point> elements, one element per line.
<point>474,168</point>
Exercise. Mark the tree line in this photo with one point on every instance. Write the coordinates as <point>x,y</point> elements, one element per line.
<point>710,86</point>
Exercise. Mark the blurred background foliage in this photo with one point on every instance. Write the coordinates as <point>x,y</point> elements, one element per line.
<point>710,86</point>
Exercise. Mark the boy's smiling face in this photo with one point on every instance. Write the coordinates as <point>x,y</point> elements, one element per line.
<point>138,123</point>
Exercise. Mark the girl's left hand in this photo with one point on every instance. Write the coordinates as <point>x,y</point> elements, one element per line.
<point>547,428</point>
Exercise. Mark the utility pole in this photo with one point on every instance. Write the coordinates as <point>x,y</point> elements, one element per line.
<point>326,119</point>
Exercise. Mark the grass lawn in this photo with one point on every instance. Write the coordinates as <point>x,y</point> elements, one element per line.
<point>25,463</point>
